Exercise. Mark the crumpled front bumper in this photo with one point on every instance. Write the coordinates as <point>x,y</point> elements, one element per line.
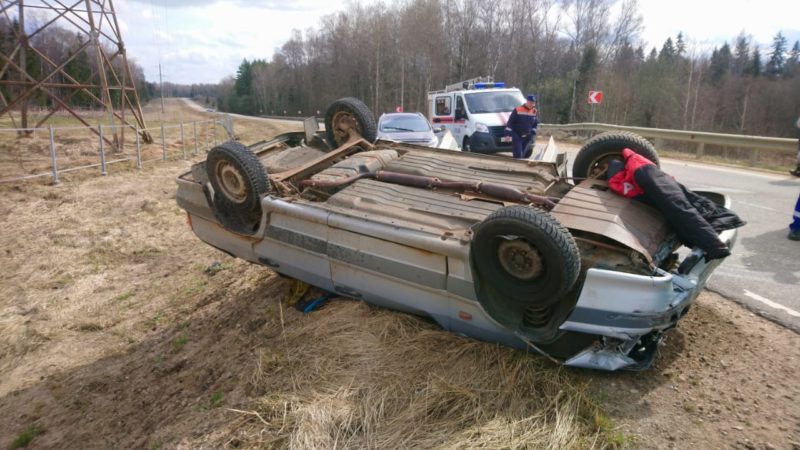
<point>631,312</point>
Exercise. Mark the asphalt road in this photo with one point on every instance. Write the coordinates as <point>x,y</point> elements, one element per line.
<point>764,271</point>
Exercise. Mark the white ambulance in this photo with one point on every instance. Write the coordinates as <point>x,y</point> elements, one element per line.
<point>475,111</point>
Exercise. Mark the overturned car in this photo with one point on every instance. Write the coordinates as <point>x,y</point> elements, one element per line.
<point>502,250</point>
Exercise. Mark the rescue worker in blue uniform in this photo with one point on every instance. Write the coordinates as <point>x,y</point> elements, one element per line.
<point>522,125</point>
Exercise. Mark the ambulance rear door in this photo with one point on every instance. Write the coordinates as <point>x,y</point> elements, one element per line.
<point>442,111</point>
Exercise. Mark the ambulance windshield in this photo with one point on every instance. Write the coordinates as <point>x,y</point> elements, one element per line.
<point>493,101</point>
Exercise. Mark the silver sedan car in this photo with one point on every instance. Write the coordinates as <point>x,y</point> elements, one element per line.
<point>408,128</point>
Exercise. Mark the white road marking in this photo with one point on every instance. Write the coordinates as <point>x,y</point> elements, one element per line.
<point>770,303</point>
<point>707,166</point>
<point>753,205</point>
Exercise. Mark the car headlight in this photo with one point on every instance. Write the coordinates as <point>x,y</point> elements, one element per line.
<point>433,142</point>
<point>481,127</point>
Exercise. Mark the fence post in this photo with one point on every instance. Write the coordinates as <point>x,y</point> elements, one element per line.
<point>205,136</point>
<point>163,143</point>
<point>183,142</point>
<point>753,157</point>
<point>701,147</point>
<point>194,128</point>
<point>53,156</point>
<point>214,130</point>
<point>103,170</point>
<point>230,128</point>
<point>138,149</point>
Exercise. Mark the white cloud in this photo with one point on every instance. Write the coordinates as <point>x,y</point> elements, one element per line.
<point>710,23</point>
<point>219,34</point>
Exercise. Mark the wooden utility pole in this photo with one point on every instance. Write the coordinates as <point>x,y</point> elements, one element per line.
<point>96,23</point>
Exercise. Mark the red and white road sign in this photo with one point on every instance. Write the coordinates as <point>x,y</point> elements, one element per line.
<point>595,97</point>
<point>398,109</point>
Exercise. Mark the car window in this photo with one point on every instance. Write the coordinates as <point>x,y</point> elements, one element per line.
<point>442,106</point>
<point>489,102</point>
<point>404,124</point>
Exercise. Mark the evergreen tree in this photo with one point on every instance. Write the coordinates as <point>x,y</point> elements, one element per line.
<point>755,68</point>
<point>667,53</point>
<point>720,63</point>
<point>792,66</point>
<point>640,54</point>
<point>680,45</point>
<point>741,55</point>
<point>242,99</point>
<point>244,79</point>
<point>777,56</point>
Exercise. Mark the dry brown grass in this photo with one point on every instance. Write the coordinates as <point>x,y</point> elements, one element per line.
<point>354,376</point>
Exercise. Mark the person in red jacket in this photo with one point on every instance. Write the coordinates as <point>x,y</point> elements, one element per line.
<point>694,218</point>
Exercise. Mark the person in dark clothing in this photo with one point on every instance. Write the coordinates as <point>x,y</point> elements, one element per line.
<point>522,125</point>
<point>694,218</point>
<point>794,227</point>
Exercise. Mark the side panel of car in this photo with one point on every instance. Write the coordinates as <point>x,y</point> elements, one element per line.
<point>295,246</point>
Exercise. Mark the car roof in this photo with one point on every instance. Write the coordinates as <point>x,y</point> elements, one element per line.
<point>402,114</point>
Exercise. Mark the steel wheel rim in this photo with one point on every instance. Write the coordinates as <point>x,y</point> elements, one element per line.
<point>231,181</point>
<point>520,259</point>
<point>343,122</point>
<point>599,166</point>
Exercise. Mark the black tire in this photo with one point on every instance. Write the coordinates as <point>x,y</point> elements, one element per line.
<point>592,159</point>
<point>525,255</point>
<point>348,114</point>
<point>465,145</point>
<point>239,181</point>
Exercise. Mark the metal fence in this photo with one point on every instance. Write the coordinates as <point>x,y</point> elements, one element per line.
<point>53,151</point>
<point>747,148</point>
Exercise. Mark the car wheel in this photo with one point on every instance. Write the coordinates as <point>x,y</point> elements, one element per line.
<point>465,145</point>
<point>348,115</point>
<point>526,255</point>
<point>239,180</point>
<point>593,158</point>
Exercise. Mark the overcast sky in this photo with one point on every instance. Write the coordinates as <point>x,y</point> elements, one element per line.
<point>203,41</point>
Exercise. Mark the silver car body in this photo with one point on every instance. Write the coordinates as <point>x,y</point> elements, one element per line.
<point>408,249</point>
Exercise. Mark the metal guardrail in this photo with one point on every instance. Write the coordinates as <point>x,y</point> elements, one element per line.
<point>293,118</point>
<point>700,138</point>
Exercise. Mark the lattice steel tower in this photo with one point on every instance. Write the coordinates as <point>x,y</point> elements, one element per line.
<point>108,85</point>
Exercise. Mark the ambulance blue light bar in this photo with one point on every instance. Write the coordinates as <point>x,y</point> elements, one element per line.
<point>496,84</point>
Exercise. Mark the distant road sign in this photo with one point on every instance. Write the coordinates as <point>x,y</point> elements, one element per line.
<point>398,109</point>
<point>595,97</point>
